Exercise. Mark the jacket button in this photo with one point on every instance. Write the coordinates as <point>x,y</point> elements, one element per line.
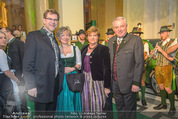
<point>90,62</point>
<point>90,56</point>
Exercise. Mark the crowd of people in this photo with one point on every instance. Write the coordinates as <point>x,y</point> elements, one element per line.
<point>115,68</point>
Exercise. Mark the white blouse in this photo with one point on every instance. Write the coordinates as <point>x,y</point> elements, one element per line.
<point>78,55</point>
<point>3,61</point>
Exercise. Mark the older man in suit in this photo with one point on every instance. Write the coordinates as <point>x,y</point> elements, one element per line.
<point>127,61</point>
<point>42,66</point>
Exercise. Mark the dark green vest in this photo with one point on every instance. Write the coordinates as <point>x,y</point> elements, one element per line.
<point>70,61</point>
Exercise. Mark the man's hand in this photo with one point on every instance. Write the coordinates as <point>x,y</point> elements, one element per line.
<point>135,88</point>
<point>32,92</point>
<point>159,48</point>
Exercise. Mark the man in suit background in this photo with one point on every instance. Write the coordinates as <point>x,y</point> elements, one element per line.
<point>127,61</point>
<point>15,50</point>
<point>42,65</point>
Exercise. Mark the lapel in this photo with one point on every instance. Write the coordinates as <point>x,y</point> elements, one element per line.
<point>84,52</point>
<point>46,38</point>
<point>124,41</point>
<point>114,45</point>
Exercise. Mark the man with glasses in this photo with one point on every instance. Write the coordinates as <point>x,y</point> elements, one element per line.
<point>42,65</point>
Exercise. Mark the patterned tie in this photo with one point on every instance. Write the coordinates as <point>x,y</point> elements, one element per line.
<point>56,51</point>
<point>7,48</point>
<point>115,66</point>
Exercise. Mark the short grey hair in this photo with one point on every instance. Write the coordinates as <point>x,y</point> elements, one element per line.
<point>119,18</point>
<point>61,31</point>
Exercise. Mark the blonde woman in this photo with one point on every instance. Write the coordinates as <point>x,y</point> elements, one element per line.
<point>71,58</point>
<point>5,73</point>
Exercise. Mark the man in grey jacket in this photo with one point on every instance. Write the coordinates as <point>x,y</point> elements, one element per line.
<point>127,61</point>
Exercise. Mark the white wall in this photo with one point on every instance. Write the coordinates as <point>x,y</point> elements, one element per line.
<point>72,14</point>
<point>152,14</point>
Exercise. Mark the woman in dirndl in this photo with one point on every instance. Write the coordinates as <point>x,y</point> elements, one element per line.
<point>97,70</point>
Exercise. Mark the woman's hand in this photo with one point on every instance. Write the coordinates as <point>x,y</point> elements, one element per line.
<point>69,69</point>
<point>106,91</point>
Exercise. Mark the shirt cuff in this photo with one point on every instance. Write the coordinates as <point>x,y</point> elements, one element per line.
<point>136,83</point>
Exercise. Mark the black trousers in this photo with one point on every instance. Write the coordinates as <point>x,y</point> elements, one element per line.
<point>125,103</point>
<point>48,109</point>
<point>5,90</point>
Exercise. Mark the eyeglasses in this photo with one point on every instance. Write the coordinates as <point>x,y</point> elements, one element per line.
<point>50,19</point>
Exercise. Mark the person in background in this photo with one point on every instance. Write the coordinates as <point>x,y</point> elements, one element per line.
<point>17,33</point>
<point>108,105</point>
<point>22,33</point>
<point>110,33</point>
<point>42,65</point>
<point>5,74</point>
<point>71,58</point>
<point>82,41</point>
<point>14,28</point>
<point>138,32</point>
<point>97,70</point>
<point>127,61</point>
<point>15,50</point>
<point>163,72</point>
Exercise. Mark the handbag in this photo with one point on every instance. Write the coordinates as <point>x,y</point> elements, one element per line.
<point>75,81</point>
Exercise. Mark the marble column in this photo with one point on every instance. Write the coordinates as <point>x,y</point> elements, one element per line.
<point>41,6</point>
<point>9,12</point>
<point>30,15</point>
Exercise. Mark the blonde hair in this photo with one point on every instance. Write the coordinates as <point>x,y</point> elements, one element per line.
<point>5,37</point>
<point>93,29</point>
<point>61,30</point>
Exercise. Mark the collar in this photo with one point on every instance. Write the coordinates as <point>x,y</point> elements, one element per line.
<point>122,38</point>
<point>10,40</point>
<point>119,40</point>
<point>81,40</point>
<point>166,41</point>
<point>45,31</point>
